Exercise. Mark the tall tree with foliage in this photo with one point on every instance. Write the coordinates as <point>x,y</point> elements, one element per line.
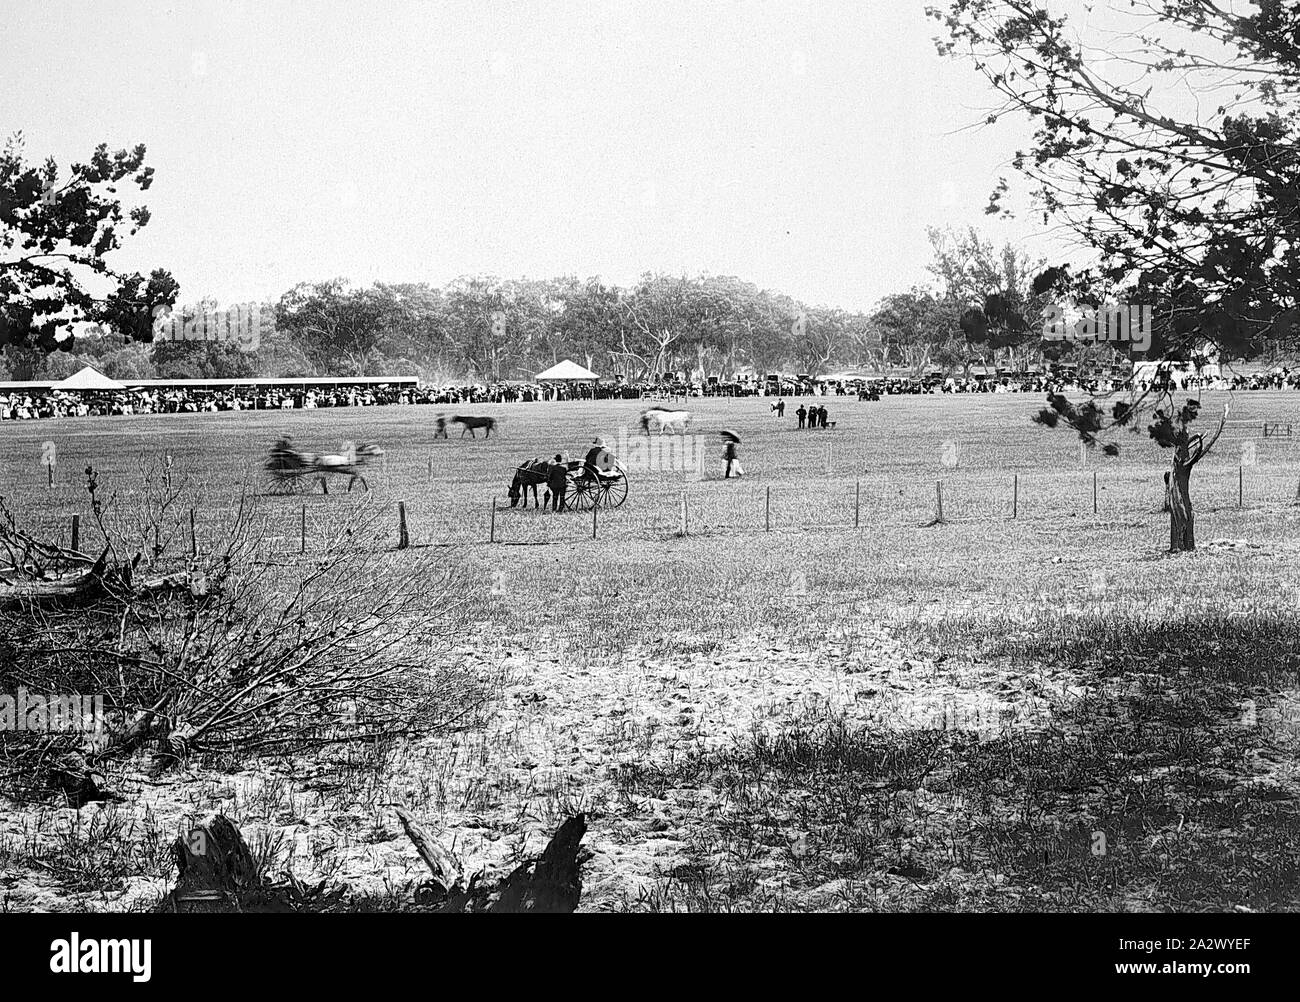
<point>336,326</point>
<point>1189,205</point>
<point>589,326</point>
<point>57,230</point>
<point>914,326</point>
<point>992,292</point>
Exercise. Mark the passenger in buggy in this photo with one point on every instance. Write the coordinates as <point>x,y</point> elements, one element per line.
<point>286,455</point>
<point>591,463</point>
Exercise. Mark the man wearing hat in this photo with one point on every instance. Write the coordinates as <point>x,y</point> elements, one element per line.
<point>557,482</point>
<point>590,464</point>
<point>598,460</point>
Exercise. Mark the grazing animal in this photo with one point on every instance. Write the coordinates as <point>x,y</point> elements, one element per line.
<point>529,475</point>
<point>661,418</point>
<point>468,424</point>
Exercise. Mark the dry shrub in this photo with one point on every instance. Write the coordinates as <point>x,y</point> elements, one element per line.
<point>234,652</point>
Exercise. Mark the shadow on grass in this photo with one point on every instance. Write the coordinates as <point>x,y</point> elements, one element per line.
<point>1161,795</point>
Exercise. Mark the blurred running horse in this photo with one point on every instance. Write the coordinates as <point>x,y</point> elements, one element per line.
<point>664,419</point>
<point>288,467</point>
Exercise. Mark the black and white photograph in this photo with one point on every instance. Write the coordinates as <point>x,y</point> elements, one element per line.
<point>830,459</point>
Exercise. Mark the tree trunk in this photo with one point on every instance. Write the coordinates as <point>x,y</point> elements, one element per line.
<point>1182,522</point>
<point>216,871</point>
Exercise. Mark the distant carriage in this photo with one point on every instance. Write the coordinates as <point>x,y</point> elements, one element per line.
<point>289,471</point>
<point>587,487</point>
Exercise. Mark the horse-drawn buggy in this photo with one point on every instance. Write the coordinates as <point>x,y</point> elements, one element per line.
<point>592,487</point>
<point>587,485</point>
<point>290,471</point>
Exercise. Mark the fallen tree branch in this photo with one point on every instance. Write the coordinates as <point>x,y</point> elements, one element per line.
<point>442,864</point>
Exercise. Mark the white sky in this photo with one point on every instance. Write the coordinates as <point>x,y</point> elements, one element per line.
<point>804,146</point>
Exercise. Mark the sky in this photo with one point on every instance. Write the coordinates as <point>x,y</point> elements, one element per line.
<point>804,145</point>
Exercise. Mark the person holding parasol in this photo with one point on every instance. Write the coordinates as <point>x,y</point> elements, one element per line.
<point>730,453</point>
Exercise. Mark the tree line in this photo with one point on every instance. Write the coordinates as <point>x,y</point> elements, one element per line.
<point>487,329</point>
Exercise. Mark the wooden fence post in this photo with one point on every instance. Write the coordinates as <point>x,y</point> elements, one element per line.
<point>403,540</point>
<point>492,523</point>
<point>76,533</point>
<point>938,490</point>
<point>594,507</point>
<point>767,509</point>
<point>857,504</point>
<point>302,542</point>
<point>1015,494</point>
<point>1094,492</point>
<point>194,538</point>
<point>1241,479</point>
<point>685,518</point>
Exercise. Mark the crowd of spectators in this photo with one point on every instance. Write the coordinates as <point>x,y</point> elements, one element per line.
<point>28,405</point>
<point>31,404</point>
<point>1276,379</point>
<point>1181,381</point>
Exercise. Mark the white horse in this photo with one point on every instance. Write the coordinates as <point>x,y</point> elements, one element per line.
<point>349,462</point>
<point>676,420</point>
<point>287,466</point>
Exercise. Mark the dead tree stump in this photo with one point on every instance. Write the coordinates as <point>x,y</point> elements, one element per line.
<point>554,882</point>
<point>550,883</point>
<point>217,872</point>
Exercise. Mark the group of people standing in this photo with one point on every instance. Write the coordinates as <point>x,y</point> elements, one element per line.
<point>813,417</point>
<point>809,417</point>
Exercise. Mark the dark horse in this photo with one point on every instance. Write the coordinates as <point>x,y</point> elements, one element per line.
<point>528,476</point>
<point>468,424</point>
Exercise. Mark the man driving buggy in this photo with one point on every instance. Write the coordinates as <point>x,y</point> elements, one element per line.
<point>597,461</point>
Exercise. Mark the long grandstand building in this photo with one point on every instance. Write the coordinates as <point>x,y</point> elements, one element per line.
<point>296,382</point>
<point>91,393</point>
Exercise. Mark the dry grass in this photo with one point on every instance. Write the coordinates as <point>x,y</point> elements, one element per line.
<point>643,682</point>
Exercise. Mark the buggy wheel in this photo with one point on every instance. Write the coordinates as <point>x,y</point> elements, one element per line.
<point>281,485</point>
<point>611,491</point>
<point>581,496</point>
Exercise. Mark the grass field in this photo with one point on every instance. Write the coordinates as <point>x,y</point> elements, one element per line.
<point>901,715</point>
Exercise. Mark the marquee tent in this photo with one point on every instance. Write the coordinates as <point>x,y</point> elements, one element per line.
<point>1145,372</point>
<point>90,379</point>
<point>567,371</point>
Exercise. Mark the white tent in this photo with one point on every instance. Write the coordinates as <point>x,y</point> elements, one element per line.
<point>88,378</point>
<point>1146,372</point>
<point>567,371</point>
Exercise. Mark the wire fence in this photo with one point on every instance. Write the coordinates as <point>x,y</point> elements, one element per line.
<point>710,509</point>
<point>432,512</point>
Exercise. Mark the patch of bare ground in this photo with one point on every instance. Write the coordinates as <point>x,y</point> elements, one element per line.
<point>1160,776</point>
<point>558,740</point>
<point>859,774</point>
